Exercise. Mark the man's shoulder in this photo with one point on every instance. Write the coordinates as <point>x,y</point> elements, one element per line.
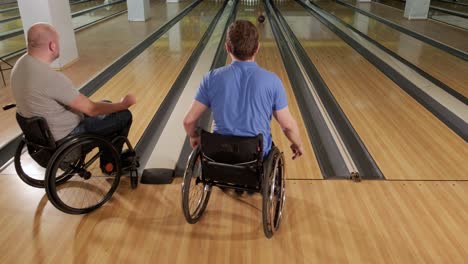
<point>33,68</point>
<point>19,64</point>
<point>262,72</point>
<point>220,71</point>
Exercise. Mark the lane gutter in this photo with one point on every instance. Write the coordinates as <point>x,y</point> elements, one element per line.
<point>206,119</point>
<point>339,150</point>
<point>153,131</point>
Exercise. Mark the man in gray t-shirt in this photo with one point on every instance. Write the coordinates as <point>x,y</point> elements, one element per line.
<point>41,91</point>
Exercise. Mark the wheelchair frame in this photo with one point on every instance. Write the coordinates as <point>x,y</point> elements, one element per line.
<point>56,151</point>
<point>270,184</point>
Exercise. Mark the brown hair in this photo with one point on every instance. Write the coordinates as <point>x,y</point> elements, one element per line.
<point>242,39</point>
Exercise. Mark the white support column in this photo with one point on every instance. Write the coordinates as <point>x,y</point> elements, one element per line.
<point>56,13</point>
<point>138,10</point>
<point>361,22</point>
<point>175,34</point>
<point>173,1</point>
<point>364,1</point>
<point>417,9</point>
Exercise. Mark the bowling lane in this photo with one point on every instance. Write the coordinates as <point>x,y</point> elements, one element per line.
<point>393,3</point>
<point>449,6</point>
<point>447,68</point>
<point>147,76</point>
<point>269,58</point>
<point>98,14</point>
<point>9,14</point>
<point>442,16</point>
<point>405,139</point>
<point>151,75</point>
<point>10,25</point>
<point>452,36</point>
<point>16,24</point>
<point>85,5</point>
<point>16,43</point>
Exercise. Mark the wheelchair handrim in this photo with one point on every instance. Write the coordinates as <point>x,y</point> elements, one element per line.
<point>276,211</point>
<point>192,216</point>
<point>51,187</point>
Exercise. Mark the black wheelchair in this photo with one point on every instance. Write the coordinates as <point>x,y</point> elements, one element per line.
<point>231,162</point>
<point>81,172</point>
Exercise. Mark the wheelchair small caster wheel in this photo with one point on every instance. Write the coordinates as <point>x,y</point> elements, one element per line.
<point>85,174</point>
<point>134,182</point>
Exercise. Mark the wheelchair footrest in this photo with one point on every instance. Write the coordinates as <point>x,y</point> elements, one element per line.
<point>157,176</point>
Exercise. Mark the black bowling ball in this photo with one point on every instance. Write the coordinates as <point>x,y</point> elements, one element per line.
<point>261,19</point>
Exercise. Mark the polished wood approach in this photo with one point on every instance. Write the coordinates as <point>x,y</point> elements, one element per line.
<point>448,69</point>
<point>269,58</point>
<point>449,35</point>
<point>324,222</point>
<point>97,47</point>
<point>404,138</point>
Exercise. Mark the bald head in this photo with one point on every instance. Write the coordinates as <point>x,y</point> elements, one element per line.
<point>43,41</point>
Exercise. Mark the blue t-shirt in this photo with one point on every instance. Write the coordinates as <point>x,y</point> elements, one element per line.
<point>242,97</point>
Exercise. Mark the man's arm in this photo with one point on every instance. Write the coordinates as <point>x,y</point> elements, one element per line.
<point>291,130</point>
<point>191,120</point>
<point>85,105</point>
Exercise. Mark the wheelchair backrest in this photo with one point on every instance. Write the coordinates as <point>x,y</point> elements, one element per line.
<point>232,159</point>
<point>36,132</point>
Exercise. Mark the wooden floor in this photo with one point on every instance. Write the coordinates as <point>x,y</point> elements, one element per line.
<point>324,222</point>
<point>419,220</point>
<point>445,67</point>
<point>405,139</point>
<point>449,35</point>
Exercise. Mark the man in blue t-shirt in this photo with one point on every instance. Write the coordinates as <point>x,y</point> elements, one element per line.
<point>243,96</point>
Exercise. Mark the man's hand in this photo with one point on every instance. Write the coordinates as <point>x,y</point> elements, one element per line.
<point>190,122</point>
<point>195,141</point>
<point>291,130</point>
<point>297,151</point>
<point>128,100</point>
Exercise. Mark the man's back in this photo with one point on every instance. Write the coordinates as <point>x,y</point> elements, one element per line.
<point>242,97</point>
<point>40,91</point>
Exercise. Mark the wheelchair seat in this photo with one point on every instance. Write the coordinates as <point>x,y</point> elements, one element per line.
<point>232,159</point>
<point>38,138</point>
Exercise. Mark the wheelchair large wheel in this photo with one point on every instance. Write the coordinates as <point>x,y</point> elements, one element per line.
<point>273,192</point>
<point>195,192</point>
<point>92,183</point>
<point>33,174</point>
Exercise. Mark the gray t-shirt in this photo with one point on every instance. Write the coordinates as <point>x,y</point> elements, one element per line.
<point>41,91</point>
